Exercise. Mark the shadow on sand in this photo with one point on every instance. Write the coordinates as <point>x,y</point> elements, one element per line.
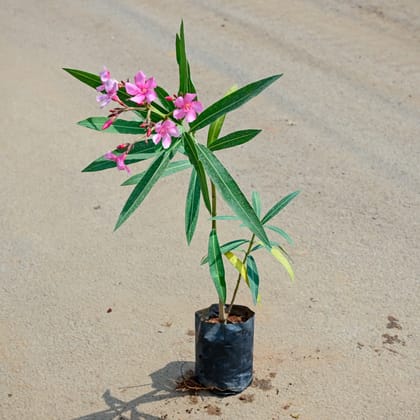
<point>163,384</point>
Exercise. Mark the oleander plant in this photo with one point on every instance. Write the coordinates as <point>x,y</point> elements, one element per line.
<point>162,136</point>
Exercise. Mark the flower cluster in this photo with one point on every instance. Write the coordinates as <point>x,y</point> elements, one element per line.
<point>142,92</point>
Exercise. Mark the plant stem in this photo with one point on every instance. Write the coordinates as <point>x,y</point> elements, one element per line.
<point>251,243</point>
<point>213,207</point>
<point>214,226</point>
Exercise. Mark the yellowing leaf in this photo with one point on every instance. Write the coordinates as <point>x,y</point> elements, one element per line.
<point>237,263</point>
<point>278,255</point>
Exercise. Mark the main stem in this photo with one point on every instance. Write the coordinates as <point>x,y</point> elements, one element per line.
<point>214,226</point>
<point>238,281</point>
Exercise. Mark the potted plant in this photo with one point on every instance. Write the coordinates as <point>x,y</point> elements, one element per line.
<point>167,126</point>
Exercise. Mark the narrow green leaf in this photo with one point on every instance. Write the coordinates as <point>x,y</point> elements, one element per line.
<point>253,277</point>
<point>185,83</point>
<point>256,203</point>
<point>228,246</point>
<point>280,232</point>
<point>224,218</point>
<point>192,206</point>
<point>231,102</point>
<point>234,139</point>
<point>192,153</point>
<point>279,206</point>
<point>214,130</point>
<point>146,183</point>
<point>216,126</point>
<point>89,79</point>
<point>217,269</point>
<point>171,169</point>
<point>162,94</point>
<point>141,151</point>
<point>119,126</point>
<point>191,87</point>
<point>231,193</point>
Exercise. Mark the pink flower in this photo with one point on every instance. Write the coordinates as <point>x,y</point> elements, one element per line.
<point>187,107</point>
<point>111,88</point>
<point>165,130</point>
<point>119,160</point>
<point>104,75</point>
<point>143,89</point>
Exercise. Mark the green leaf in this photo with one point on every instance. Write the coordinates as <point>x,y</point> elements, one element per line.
<point>90,79</point>
<point>192,153</point>
<point>146,183</point>
<point>216,126</point>
<point>253,277</point>
<point>192,206</point>
<point>231,193</point>
<point>228,246</point>
<point>279,206</point>
<point>214,130</point>
<point>256,203</point>
<point>162,94</point>
<point>172,168</point>
<point>234,139</point>
<point>231,102</point>
<point>140,151</point>
<point>119,126</point>
<point>217,269</point>
<point>224,218</point>
<point>281,258</point>
<point>280,232</point>
<point>185,83</point>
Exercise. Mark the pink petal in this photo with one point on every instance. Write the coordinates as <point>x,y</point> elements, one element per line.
<point>104,75</point>
<point>151,96</point>
<point>197,106</point>
<point>138,99</point>
<point>190,116</point>
<point>103,100</point>
<point>166,142</point>
<point>151,83</point>
<point>179,102</point>
<point>173,131</point>
<point>156,138</point>
<point>131,89</point>
<point>179,114</point>
<point>110,156</point>
<point>111,86</point>
<point>189,97</point>
<point>139,79</point>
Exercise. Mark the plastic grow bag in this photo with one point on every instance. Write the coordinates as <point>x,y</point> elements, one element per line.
<point>224,352</point>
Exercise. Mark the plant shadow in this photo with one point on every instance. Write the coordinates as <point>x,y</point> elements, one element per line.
<point>163,384</point>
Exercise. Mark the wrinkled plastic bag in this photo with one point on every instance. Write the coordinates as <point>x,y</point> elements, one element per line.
<point>224,352</point>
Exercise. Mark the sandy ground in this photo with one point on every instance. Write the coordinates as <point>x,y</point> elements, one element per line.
<point>342,125</point>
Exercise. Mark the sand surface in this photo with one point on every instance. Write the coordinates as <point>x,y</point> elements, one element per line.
<point>342,125</point>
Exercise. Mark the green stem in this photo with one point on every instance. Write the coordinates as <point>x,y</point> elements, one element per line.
<point>213,207</point>
<point>238,281</point>
<point>214,226</point>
